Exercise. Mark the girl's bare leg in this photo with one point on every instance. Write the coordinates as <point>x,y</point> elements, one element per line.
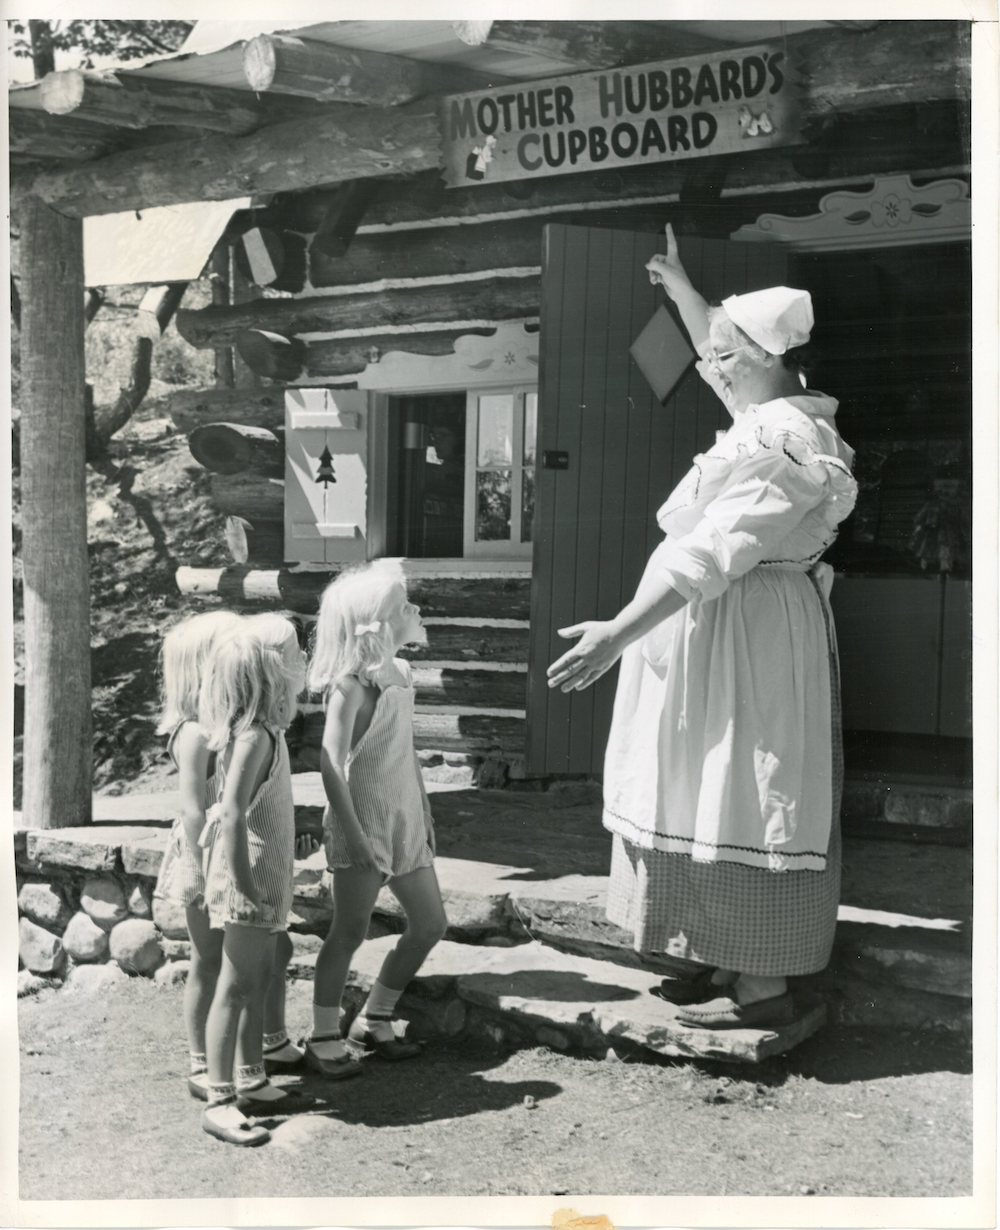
<point>419,895</point>
<point>206,961</point>
<point>247,957</point>
<point>278,1049</point>
<point>354,894</point>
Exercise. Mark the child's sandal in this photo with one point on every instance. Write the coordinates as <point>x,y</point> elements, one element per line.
<point>338,1069</point>
<point>362,1041</point>
<point>242,1132</point>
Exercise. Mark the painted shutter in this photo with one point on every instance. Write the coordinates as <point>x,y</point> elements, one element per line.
<point>595,520</point>
<point>326,484</point>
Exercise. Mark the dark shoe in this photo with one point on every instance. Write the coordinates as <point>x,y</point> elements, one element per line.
<point>333,1069</point>
<point>726,1013</point>
<point>245,1134</point>
<point>362,1042</point>
<point>293,1101</point>
<point>274,1067</point>
<point>687,990</point>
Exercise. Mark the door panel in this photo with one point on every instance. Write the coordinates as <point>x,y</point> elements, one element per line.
<point>595,520</point>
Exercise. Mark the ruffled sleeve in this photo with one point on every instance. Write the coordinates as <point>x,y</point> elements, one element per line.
<point>776,481</point>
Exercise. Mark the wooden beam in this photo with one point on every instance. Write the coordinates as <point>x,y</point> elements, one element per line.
<point>256,497</point>
<point>232,448</point>
<point>899,62</point>
<point>134,101</point>
<point>495,597</point>
<point>895,139</point>
<point>583,45</point>
<point>192,408</point>
<point>346,356</point>
<point>43,136</point>
<point>487,299</point>
<point>58,754</point>
<point>351,143</point>
<point>271,354</point>
<point>219,278</point>
<point>342,217</point>
<point>325,72</point>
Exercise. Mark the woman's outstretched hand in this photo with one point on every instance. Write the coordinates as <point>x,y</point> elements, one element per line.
<point>595,652</point>
<point>665,268</point>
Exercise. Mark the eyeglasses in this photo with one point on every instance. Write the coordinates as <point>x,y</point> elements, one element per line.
<point>717,358</point>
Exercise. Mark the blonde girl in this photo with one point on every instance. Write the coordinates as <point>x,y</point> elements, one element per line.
<point>186,649</point>
<point>247,698</point>
<point>378,827</point>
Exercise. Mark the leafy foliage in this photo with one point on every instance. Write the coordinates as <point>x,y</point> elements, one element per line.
<point>123,40</point>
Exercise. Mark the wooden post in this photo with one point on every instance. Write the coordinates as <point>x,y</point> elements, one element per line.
<point>219,277</point>
<point>58,753</point>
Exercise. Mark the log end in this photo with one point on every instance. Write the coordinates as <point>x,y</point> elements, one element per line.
<point>260,62</point>
<point>271,354</point>
<point>62,92</point>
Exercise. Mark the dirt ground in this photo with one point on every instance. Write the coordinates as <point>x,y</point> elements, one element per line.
<point>105,1115</point>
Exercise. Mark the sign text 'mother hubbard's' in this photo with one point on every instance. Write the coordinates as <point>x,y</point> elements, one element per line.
<point>689,108</point>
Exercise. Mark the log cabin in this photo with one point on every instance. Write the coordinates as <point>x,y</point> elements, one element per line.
<point>435,340</point>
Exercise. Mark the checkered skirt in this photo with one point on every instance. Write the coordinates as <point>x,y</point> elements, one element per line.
<point>739,917</point>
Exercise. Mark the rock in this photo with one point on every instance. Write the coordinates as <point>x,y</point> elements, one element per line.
<point>140,902</point>
<point>40,951</point>
<point>135,945</point>
<point>104,900</point>
<point>553,1038</point>
<point>305,943</point>
<point>89,848</point>
<point>84,940</point>
<point>30,984</point>
<point>302,1132</point>
<point>176,950</point>
<point>170,918</point>
<point>142,851</point>
<point>44,904</point>
<point>173,974</point>
<point>95,979</point>
<point>500,941</point>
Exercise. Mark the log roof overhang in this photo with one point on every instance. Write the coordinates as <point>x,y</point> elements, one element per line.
<point>353,100</point>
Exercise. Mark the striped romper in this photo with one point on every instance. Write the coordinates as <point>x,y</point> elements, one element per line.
<point>270,821</point>
<point>181,879</point>
<point>387,790</point>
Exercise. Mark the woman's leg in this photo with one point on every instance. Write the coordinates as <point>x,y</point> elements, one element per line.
<point>206,961</point>
<point>354,894</point>
<point>750,988</point>
<point>247,956</point>
<point>420,896</point>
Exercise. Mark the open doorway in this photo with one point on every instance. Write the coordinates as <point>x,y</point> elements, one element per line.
<point>426,476</point>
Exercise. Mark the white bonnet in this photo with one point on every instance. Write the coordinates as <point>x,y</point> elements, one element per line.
<point>776,319</point>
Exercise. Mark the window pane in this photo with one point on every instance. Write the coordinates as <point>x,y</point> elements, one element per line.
<point>496,430</point>
<point>493,506</point>
<point>527,502</point>
<point>530,428</point>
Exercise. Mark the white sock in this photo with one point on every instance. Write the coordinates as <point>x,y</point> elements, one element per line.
<point>280,1047</point>
<point>381,1001</point>
<point>326,1020</point>
<point>250,1076</point>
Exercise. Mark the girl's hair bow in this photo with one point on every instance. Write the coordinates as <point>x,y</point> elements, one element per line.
<point>361,629</point>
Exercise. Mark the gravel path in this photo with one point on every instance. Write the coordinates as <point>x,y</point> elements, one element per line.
<point>104,1115</point>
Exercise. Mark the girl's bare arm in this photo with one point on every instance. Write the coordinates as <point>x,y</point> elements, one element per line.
<point>250,754</point>
<point>338,737</point>
<point>193,756</point>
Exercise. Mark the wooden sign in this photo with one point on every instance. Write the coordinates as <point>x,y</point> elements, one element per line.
<point>728,102</point>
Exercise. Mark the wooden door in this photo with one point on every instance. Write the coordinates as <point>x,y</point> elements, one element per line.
<point>595,520</point>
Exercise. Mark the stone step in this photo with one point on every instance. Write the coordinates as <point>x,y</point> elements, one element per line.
<point>911,811</point>
<point>532,994</point>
